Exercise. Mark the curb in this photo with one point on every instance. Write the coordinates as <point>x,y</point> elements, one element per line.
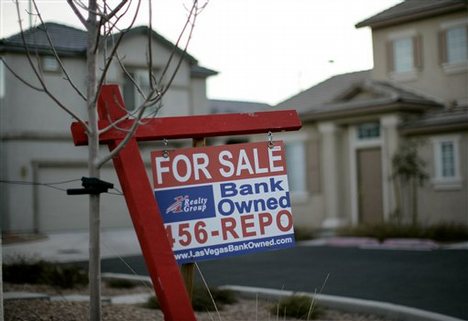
<point>384,309</point>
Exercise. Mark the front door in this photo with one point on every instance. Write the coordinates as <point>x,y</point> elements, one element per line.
<point>369,164</point>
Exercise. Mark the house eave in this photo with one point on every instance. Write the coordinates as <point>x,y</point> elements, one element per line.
<point>412,16</point>
<point>434,128</point>
<point>367,111</point>
<point>41,51</point>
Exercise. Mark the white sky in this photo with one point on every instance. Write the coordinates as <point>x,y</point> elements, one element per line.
<point>264,50</point>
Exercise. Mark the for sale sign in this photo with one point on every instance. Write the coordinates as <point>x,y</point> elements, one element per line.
<point>224,200</point>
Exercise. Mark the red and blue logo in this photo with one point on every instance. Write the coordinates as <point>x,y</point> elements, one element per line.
<point>183,204</point>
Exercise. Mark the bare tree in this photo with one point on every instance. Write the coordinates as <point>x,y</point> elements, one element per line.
<point>104,35</point>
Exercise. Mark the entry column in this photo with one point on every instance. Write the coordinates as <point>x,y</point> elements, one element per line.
<point>330,174</point>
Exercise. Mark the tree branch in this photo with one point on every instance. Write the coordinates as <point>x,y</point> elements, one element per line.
<point>55,54</point>
<point>115,11</point>
<point>39,76</point>
<point>24,81</point>
<point>77,12</point>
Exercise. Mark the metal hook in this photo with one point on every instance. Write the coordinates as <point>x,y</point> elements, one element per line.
<point>270,140</point>
<point>165,152</point>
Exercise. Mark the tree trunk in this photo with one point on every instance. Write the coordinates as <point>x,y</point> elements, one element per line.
<point>93,150</point>
<point>414,201</point>
<point>1,278</point>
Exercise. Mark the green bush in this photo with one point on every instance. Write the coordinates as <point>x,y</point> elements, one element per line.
<point>21,272</point>
<point>297,306</point>
<point>42,272</point>
<point>439,232</point>
<point>121,284</point>
<point>201,300</point>
<point>303,234</point>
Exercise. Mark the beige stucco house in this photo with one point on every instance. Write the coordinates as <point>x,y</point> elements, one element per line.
<point>36,146</point>
<point>340,164</point>
<point>355,124</point>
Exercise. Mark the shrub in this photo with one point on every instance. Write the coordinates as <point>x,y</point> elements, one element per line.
<point>66,277</point>
<point>42,272</point>
<point>121,284</point>
<point>297,306</point>
<point>21,272</point>
<point>447,232</point>
<point>302,234</point>
<point>201,300</point>
<point>439,232</point>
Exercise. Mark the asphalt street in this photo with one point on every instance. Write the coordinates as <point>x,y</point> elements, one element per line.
<point>436,280</point>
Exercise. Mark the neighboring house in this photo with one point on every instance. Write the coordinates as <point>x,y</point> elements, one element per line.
<point>36,143</point>
<point>233,106</point>
<point>354,124</point>
<point>218,106</point>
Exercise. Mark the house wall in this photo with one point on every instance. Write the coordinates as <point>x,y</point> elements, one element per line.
<point>438,204</point>
<point>34,111</point>
<point>199,101</point>
<point>178,100</point>
<point>431,79</point>
<point>337,201</point>
<point>36,143</point>
<point>308,208</point>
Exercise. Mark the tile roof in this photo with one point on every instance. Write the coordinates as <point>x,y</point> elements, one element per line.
<point>64,38</point>
<point>352,94</point>
<point>438,121</point>
<point>232,106</point>
<point>72,41</point>
<point>410,10</point>
<point>324,92</point>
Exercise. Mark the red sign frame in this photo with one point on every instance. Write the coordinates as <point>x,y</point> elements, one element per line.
<point>130,168</point>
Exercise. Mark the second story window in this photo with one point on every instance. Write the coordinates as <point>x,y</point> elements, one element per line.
<point>457,45</point>
<point>50,64</point>
<point>453,46</point>
<point>404,56</point>
<point>131,91</point>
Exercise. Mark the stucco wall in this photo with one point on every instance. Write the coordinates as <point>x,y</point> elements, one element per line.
<point>24,109</point>
<point>36,143</point>
<point>431,79</point>
<point>438,204</point>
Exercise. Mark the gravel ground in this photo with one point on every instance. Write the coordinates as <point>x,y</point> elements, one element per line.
<point>43,310</point>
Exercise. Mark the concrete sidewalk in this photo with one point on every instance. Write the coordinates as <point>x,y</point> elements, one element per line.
<point>73,246</point>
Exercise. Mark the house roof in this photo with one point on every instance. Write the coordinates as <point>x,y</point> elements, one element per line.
<point>72,41</point>
<point>323,92</point>
<point>66,39</point>
<point>437,121</point>
<point>355,94</point>
<point>232,106</point>
<point>411,10</point>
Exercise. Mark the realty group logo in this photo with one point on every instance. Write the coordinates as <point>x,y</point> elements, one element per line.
<point>184,204</point>
<point>176,207</point>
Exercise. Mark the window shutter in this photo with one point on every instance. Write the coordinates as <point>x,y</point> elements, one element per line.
<point>390,56</point>
<point>417,52</point>
<point>313,166</point>
<point>442,47</point>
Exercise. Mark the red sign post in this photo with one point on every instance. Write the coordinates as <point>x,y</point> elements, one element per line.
<point>130,168</point>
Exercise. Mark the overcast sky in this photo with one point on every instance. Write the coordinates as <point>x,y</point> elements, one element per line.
<point>264,50</point>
